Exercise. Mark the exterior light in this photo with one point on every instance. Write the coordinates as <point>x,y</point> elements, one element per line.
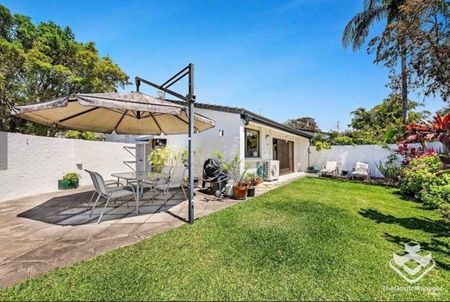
<point>221,132</point>
<point>161,94</point>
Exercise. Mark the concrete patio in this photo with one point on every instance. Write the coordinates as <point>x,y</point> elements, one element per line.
<point>42,232</point>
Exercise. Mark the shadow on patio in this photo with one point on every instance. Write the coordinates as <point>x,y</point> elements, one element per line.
<point>73,209</point>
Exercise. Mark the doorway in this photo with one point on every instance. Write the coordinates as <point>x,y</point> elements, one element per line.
<point>283,151</point>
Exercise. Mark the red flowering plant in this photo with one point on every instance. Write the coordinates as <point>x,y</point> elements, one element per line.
<point>436,130</point>
<point>409,153</point>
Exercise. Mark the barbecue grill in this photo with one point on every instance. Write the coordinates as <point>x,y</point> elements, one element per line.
<point>215,176</point>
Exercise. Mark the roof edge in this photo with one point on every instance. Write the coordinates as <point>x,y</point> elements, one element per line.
<point>246,113</point>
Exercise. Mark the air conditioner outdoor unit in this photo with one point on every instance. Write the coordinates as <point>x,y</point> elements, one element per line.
<point>271,169</point>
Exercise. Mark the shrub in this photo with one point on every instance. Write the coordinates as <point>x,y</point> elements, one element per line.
<point>390,169</point>
<point>343,140</point>
<point>72,178</point>
<point>420,173</point>
<point>435,196</point>
<point>420,178</point>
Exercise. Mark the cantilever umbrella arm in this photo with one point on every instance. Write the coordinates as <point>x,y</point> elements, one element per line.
<point>190,99</point>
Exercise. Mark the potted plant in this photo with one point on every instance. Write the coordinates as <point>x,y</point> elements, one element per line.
<point>251,183</point>
<point>69,181</point>
<point>232,168</point>
<point>240,187</point>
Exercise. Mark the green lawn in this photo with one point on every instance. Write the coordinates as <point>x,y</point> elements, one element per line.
<point>312,239</point>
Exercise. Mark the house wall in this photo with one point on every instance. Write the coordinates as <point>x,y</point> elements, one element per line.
<point>35,163</point>
<point>267,134</point>
<point>208,141</point>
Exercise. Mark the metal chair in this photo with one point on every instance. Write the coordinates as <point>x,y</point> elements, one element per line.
<point>175,181</point>
<point>103,191</point>
<point>108,183</point>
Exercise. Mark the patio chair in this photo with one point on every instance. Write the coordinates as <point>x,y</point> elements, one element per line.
<point>330,169</point>
<point>151,184</point>
<point>103,191</point>
<point>361,171</point>
<point>110,185</point>
<point>175,181</point>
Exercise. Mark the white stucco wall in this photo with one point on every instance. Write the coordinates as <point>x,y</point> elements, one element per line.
<point>347,156</point>
<point>35,163</point>
<point>208,141</point>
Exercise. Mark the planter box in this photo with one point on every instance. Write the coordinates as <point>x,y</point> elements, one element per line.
<point>67,185</point>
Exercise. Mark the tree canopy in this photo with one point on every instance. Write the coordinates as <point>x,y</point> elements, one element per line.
<point>39,62</point>
<point>380,124</point>
<point>303,123</point>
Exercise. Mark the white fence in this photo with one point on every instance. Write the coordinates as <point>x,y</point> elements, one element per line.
<point>33,164</point>
<point>347,156</point>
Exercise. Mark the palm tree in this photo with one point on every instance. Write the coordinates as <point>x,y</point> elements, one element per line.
<point>357,30</point>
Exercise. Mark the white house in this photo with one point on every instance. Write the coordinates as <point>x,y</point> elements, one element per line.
<point>238,131</point>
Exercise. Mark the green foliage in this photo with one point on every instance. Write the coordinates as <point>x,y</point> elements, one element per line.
<point>218,154</point>
<point>159,157</point>
<point>72,178</point>
<point>86,135</point>
<point>43,61</point>
<point>232,167</point>
<point>383,123</point>
<point>343,140</point>
<point>420,178</point>
<point>390,169</point>
<point>420,173</point>
<point>320,141</point>
<point>320,145</point>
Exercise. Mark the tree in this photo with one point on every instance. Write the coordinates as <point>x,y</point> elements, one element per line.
<point>384,122</point>
<point>357,30</point>
<point>303,123</point>
<point>424,30</point>
<point>44,61</point>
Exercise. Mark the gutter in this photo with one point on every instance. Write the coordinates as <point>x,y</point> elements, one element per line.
<point>249,116</point>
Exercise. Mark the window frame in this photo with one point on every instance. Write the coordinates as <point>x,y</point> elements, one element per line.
<point>258,140</point>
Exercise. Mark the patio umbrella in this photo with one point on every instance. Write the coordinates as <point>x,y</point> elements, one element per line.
<point>124,113</point>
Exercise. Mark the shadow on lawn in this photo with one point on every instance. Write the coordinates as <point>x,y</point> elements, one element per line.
<point>435,246</point>
<point>436,227</point>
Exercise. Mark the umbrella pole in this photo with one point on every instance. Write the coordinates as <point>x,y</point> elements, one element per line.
<point>191,100</point>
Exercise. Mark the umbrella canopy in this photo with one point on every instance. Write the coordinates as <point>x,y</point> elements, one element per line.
<point>124,113</point>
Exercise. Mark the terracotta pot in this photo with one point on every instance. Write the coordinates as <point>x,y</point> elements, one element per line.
<point>258,181</point>
<point>240,191</point>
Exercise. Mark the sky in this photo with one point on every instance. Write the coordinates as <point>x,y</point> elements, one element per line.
<point>281,58</point>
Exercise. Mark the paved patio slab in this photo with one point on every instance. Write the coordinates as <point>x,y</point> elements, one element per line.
<point>43,232</point>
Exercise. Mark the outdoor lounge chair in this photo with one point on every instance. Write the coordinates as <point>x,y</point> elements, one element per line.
<point>110,185</point>
<point>109,195</point>
<point>175,181</point>
<point>361,171</point>
<point>330,169</point>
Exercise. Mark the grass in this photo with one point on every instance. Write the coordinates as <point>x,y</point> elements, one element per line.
<point>312,239</point>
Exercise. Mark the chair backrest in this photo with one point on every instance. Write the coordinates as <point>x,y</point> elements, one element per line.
<point>178,173</point>
<point>167,170</point>
<point>331,165</point>
<point>101,187</point>
<point>94,180</point>
<point>361,167</point>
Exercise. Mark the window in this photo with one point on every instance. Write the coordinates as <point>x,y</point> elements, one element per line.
<point>251,143</point>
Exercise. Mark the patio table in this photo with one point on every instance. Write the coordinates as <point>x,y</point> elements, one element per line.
<point>138,177</point>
